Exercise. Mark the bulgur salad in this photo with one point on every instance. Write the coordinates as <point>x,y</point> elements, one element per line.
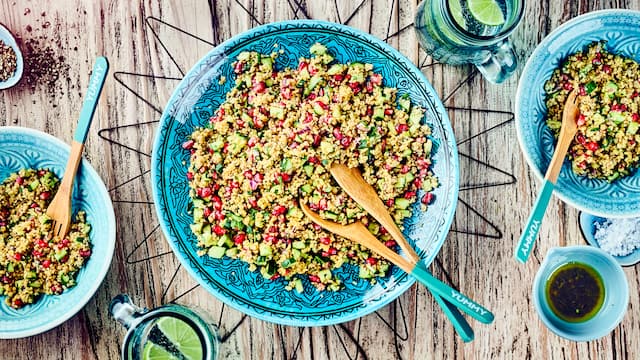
<point>32,261</point>
<point>270,144</point>
<point>607,145</point>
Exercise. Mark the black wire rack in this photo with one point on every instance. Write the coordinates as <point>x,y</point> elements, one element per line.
<point>349,336</point>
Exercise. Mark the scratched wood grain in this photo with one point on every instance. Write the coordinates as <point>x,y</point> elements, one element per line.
<point>127,31</point>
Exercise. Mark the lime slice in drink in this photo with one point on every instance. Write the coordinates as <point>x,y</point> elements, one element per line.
<point>183,337</point>
<point>487,12</point>
<point>456,12</point>
<point>152,351</point>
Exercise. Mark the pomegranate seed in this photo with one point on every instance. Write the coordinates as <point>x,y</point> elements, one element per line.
<point>583,165</point>
<point>33,205</point>
<point>312,96</point>
<point>238,67</point>
<point>259,87</point>
<point>369,86</point>
<point>592,145</point>
<point>314,160</point>
<point>312,70</point>
<point>372,261</point>
<point>314,278</point>
<point>325,240</point>
<point>337,134</point>
<point>189,176</point>
<point>325,254</point>
<point>188,144</point>
<point>41,243</point>
<point>606,68</point>
<point>404,169</point>
<point>279,210</point>
<point>270,238</point>
<point>388,111</point>
<point>17,256</point>
<point>390,203</point>
<point>596,61</point>
<point>634,95</point>
<point>581,120</point>
<point>427,198</point>
<point>239,238</point>
<point>567,86</point>
<point>85,253</point>
<point>286,93</point>
<point>400,128</point>
<point>582,91</point>
<point>409,194</point>
<point>218,230</point>
<point>6,279</point>
<point>17,302</point>
<point>635,117</point>
<point>45,195</point>
<point>338,77</point>
<point>19,180</point>
<point>207,211</point>
<point>369,111</point>
<point>322,105</point>
<point>36,253</point>
<point>46,264</point>
<point>41,172</point>
<point>253,202</point>
<point>275,276</point>
<point>333,251</point>
<point>252,142</point>
<point>218,215</point>
<point>345,141</point>
<point>322,204</point>
<point>303,65</point>
<point>285,177</point>
<point>248,174</point>
<point>581,139</point>
<point>316,140</point>
<point>390,243</point>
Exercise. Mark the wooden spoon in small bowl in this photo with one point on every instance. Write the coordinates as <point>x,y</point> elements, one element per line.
<point>568,130</point>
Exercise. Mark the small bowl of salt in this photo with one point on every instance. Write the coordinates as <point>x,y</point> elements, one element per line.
<point>619,237</point>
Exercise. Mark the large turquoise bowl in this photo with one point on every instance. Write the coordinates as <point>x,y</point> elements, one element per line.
<point>193,103</point>
<point>621,30</point>
<point>22,148</point>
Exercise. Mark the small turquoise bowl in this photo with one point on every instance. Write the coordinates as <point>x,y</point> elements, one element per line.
<point>616,292</point>
<point>588,228</point>
<point>7,37</point>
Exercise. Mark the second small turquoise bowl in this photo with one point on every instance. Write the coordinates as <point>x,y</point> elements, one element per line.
<point>616,293</point>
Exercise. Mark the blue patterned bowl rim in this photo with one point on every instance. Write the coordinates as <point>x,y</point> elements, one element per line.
<point>620,198</point>
<point>177,103</point>
<point>89,190</point>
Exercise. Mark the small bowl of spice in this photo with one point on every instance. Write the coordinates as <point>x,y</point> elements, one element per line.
<point>580,292</point>
<point>619,237</point>
<point>11,62</point>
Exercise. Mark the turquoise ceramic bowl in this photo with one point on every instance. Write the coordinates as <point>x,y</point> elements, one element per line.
<point>8,39</point>
<point>621,30</point>
<point>588,228</point>
<point>22,148</point>
<point>616,293</point>
<point>194,101</point>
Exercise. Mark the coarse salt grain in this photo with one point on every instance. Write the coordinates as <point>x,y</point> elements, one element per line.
<point>618,237</point>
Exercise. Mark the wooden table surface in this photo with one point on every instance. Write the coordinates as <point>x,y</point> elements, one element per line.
<point>148,52</point>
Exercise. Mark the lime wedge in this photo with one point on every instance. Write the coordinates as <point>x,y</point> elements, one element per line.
<point>183,337</point>
<point>152,351</point>
<point>487,12</point>
<point>456,12</point>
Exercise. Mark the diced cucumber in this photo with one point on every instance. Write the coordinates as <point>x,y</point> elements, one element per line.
<point>295,213</point>
<point>288,262</point>
<point>365,272</point>
<point>198,214</point>
<point>330,215</point>
<point>10,267</point>
<point>374,228</point>
<point>261,260</point>
<point>324,275</point>
<point>35,284</point>
<point>207,239</point>
<point>267,62</point>
<point>616,117</point>
<point>318,49</point>
<point>317,109</point>
<point>633,128</point>
<point>415,117</point>
<point>401,183</point>
<point>335,69</point>
<point>357,72</point>
<point>610,88</point>
<point>225,240</point>
<point>34,184</point>
<point>298,286</point>
<point>217,252</point>
<point>313,82</point>
<point>231,252</point>
<point>296,254</point>
<point>265,249</point>
<point>216,145</point>
<point>404,102</point>
<point>306,188</point>
<point>30,274</point>
<point>308,169</point>
<point>276,112</point>
<point>60,254</point>
<point>378,113</point>
<point>402,203</point>
<point>298,245</point>
<point>326,147</point>
<point>286,165</point>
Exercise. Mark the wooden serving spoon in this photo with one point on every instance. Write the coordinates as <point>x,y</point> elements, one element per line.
<point>568,130</point>
<point>358,233</point>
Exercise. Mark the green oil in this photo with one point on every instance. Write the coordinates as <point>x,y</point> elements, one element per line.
<point>575,292</point>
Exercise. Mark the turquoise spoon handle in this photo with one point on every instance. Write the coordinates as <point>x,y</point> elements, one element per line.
<point>462,302</point>
<point>530,232</point>
<point>460,324</point>
<point>96,82</point>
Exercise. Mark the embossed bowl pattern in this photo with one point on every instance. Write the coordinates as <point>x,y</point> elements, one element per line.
<point>26,148</point>
<point>193,103</point>
<point>621,30</point>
